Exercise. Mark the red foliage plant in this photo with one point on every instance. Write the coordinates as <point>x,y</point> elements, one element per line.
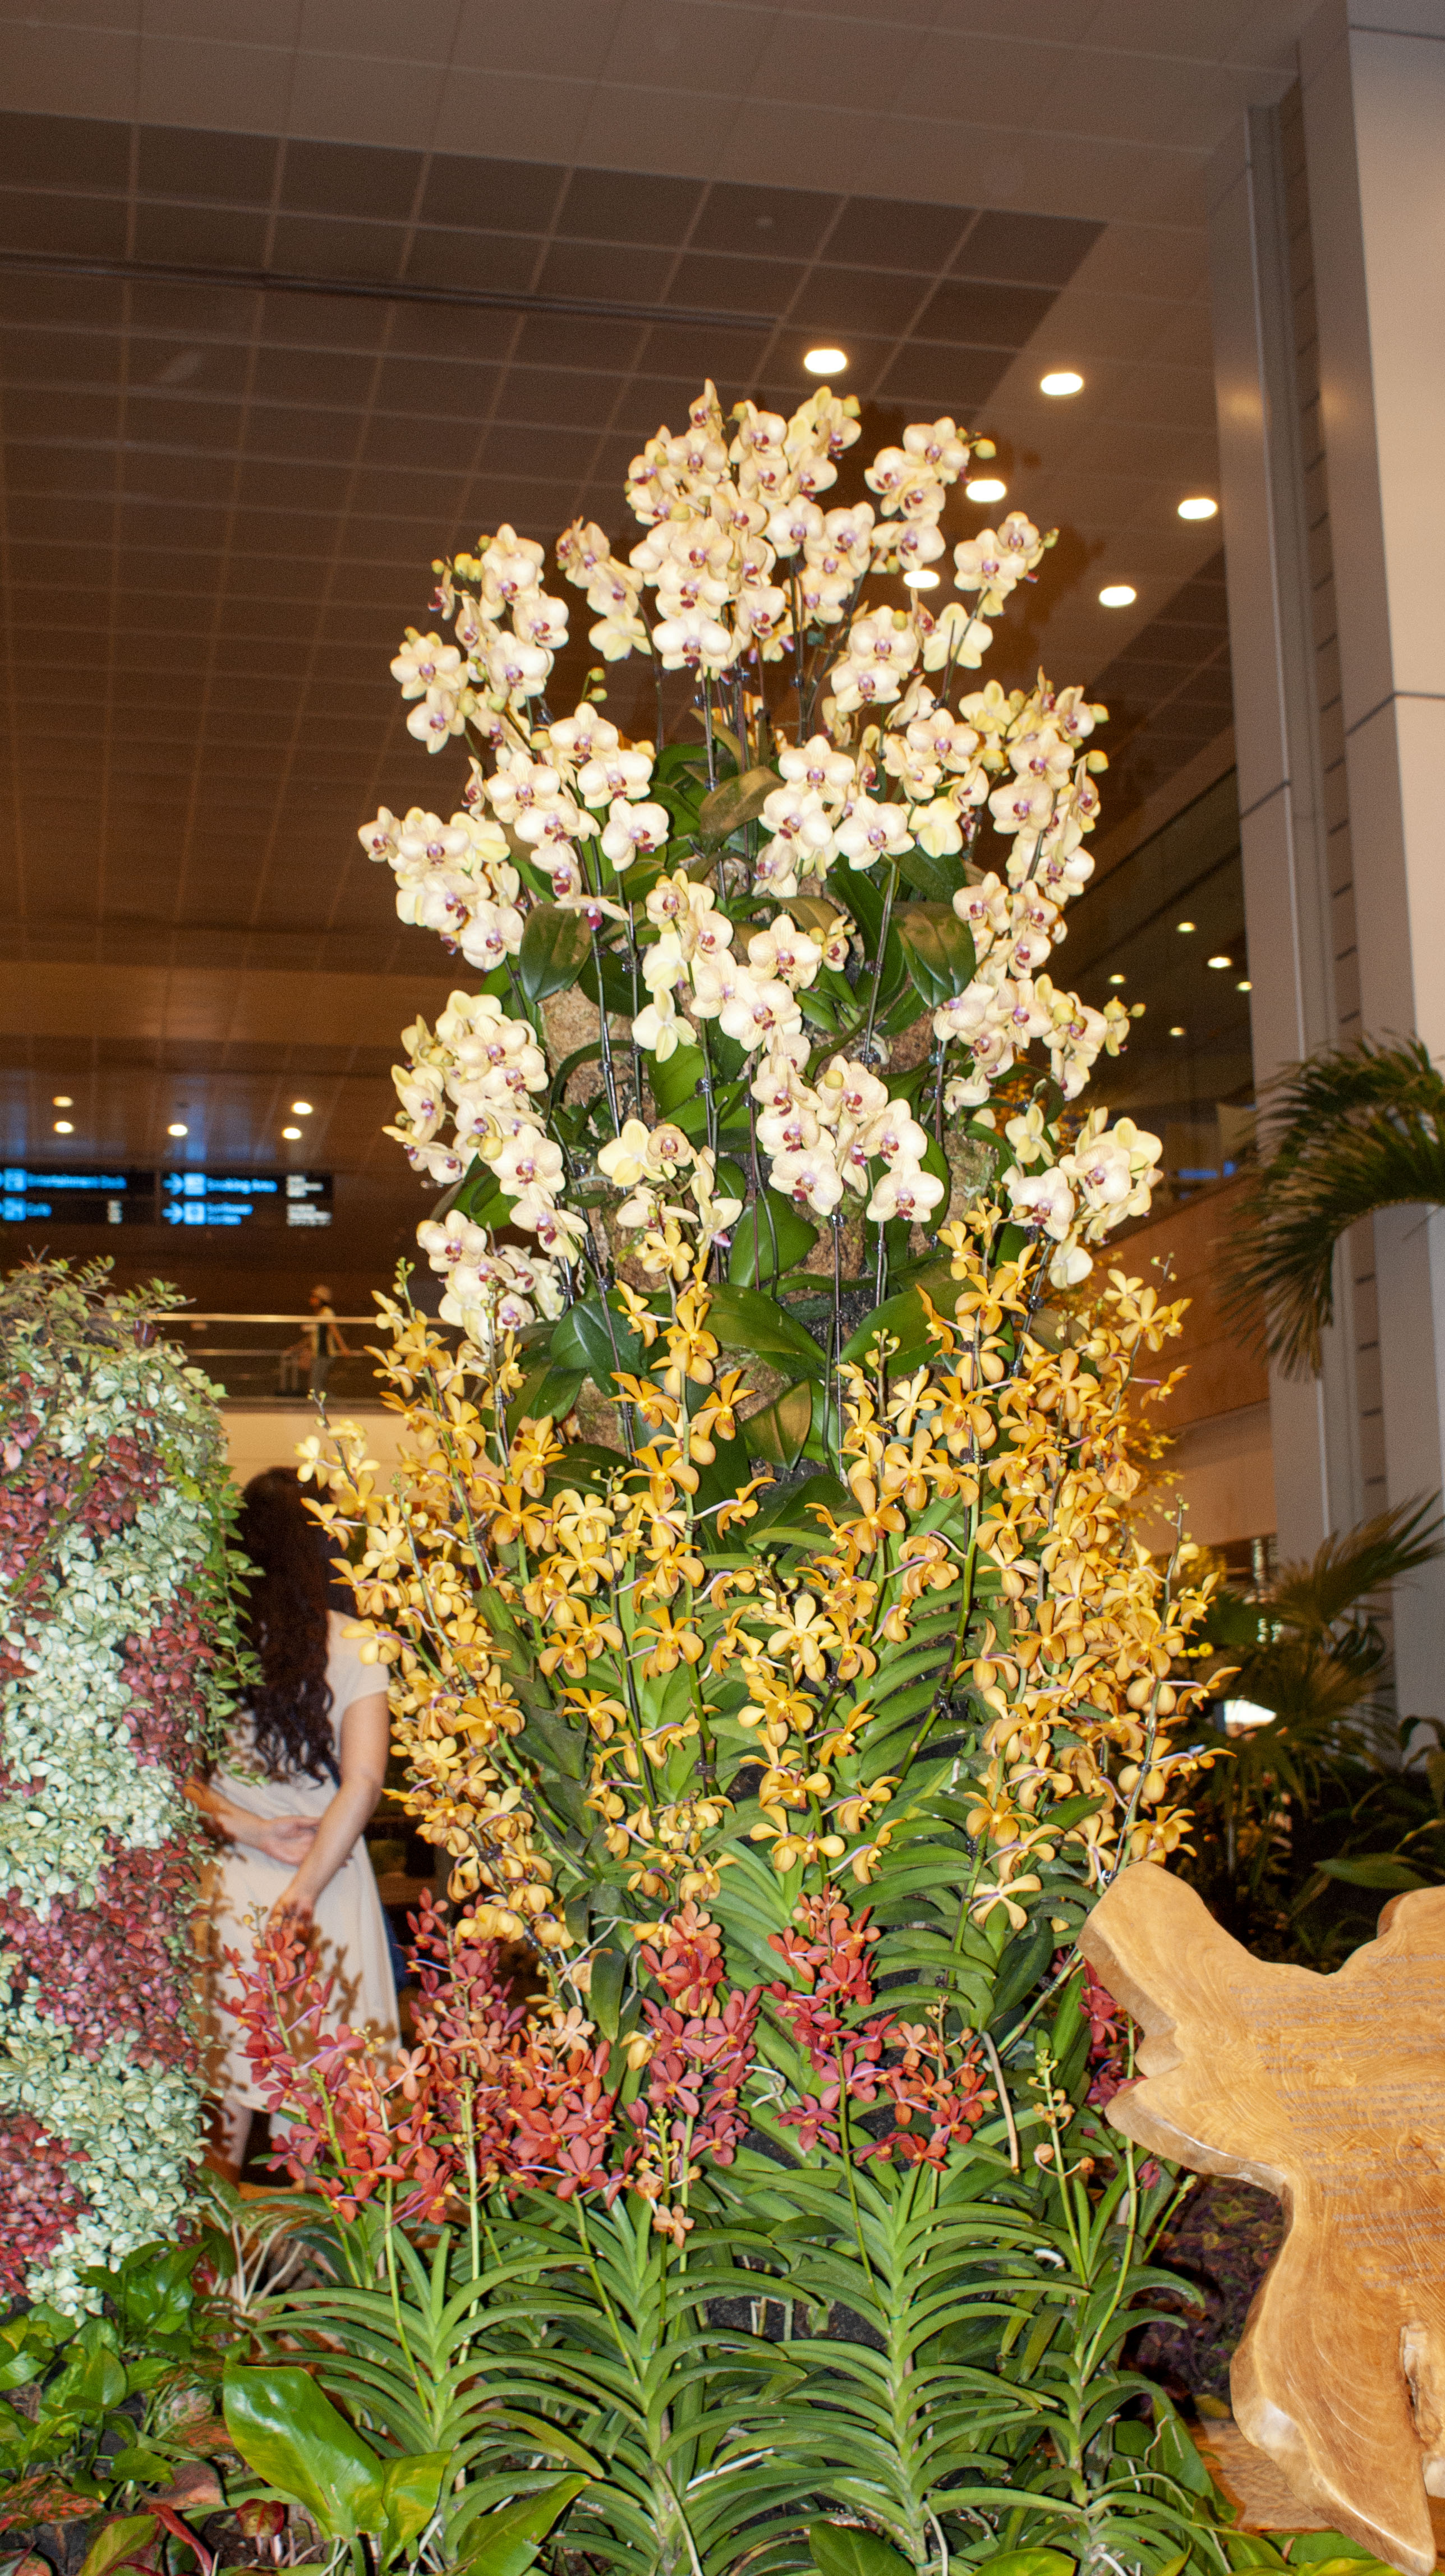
<point>42,2203</point>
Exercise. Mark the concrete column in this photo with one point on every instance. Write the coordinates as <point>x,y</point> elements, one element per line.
<point>1364,518</point>
<point>1294,1003</point>
<point>1372,74</point>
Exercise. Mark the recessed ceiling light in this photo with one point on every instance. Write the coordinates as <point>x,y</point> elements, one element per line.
<point>1199,506</point>
<point>291,1134</point>
<point>923,579</point>
<point>1184,925</point>
<point>63,1127</point>
<point>1244,985</point>
<point>1176,1033</point>
<point>1063,380</point>
<point>1117,979</point>
<point>177,1129</point>
<point>986,487</point>
<point>1117,594</point>
<point>824,362</point>
<point>1221,960</point>
<point>62,1100</point>
<point>300,1108</point>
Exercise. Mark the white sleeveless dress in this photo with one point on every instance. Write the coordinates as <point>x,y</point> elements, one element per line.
<point>239,1887</point>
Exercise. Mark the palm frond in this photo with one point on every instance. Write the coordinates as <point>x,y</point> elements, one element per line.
<point>1347,1569</point>
<point>1355,1129</point>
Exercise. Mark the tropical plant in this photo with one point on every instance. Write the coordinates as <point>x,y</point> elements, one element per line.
<point>117,1666</point>
<point>1352,1130</point>
<point>1291,1820</point>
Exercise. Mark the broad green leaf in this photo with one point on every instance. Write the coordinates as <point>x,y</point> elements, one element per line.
<point>1172,2451</point>
<point>410,2487</point>
<point>505,2543</point>
<point>769,1237</point>
<point>735,802</point>
<point>939,951</point>
<point>1025,2562</point>
<point>555,947</point>
<point>597,1340</point>
<point>938,879</point>
<point>117,2541</point>
<point>1321,2549</point>
<point>841,2549</point>
<point>678,1079</point>
<point>1374,1869</point>
<point>288,2431</point>
<point>604,1992</point>
<point>745,1320</point>
<point>779,1432</point>
<point>790,1509</point>
<point>903,1320</point>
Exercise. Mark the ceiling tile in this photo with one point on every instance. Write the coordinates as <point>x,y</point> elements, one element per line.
<point>64,152</point>
<point>1039,250</point>
<point>314,246</point>
<point>202,236</point>
<point>885,233</point>
<point>712,283</point>
<point>603,274</point>
<point>87,227</point>
<point>626,206</point>
<point>845,300</point>
<point>505,263</point>
<point>776,223</point>
<point>349,179</point>
<point>238,169</point>
<point>494,196</point>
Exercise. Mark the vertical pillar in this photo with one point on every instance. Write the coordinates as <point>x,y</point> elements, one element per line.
<point>1372,74</point>
<point>1356,829</point>
<point>1283,823</point>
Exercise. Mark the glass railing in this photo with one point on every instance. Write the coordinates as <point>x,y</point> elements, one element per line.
<point>270,1359</point>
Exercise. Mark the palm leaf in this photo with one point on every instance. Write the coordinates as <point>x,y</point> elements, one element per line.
<point>1353,1129</point>
<point>1363,1560</point>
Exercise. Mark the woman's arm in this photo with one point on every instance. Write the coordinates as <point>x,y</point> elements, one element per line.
<point>286,1839</point>
<point>365,1739</point>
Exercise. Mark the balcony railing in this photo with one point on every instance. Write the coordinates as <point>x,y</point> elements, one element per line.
<point>266,1359</point>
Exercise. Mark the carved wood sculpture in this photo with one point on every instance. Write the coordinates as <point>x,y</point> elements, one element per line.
<point>1330,2092</point>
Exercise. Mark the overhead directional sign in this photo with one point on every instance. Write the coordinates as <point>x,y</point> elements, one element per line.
<point>189,1198</point>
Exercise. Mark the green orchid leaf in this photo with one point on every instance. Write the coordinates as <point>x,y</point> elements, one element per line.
<point>939,951</point>
<point>555,947</point>
<point>744,1320</point>
<point>779,1432</point>
<point>286,2429</point>
<point>841,2549</point>
<point>735,802</point>
<point>596,1340</point>
<point>605,1990</point>
<point>678,1079</point>
<point>769,1237</point>
<point>505,2543</point>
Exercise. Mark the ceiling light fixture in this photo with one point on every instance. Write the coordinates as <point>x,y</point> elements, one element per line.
<point>1063,380</point>
<point>1184,925</point>
<point>300,1108</point>
<point>923,579</point>
<point>291,1134</point>
<point>1117,594</point>
<point>825,362</point>
<point>986,487</point>
<point>177,1129</point>
<point>1199,506</point>
<point>63,1127</point>
<point>1117,979</point>
<point>1244,985</point>
<point>1176,1033</point>
<point>1221,960</point>
<point>62,1100</point>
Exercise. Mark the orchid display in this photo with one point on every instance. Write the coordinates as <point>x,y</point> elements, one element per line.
<point>769,1649</point>
<point>758,909</point>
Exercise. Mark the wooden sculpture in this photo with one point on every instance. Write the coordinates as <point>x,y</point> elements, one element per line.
<point>1330,2092</point>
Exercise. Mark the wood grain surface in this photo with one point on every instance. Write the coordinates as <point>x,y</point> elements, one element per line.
<point>1330,2092</point>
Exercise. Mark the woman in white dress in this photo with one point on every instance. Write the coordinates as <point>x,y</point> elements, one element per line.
<point>305,1769</point>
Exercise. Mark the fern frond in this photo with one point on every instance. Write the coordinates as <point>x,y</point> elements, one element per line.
<point>1355,1129</point>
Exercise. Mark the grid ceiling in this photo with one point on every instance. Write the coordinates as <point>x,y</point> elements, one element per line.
<point>223,488</point>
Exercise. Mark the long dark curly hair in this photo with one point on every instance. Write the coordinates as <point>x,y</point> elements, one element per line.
<point>285,1622</point>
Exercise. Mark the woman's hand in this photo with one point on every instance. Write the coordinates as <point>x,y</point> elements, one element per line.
<point>286,1839</point>
<point>293,1905</point>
